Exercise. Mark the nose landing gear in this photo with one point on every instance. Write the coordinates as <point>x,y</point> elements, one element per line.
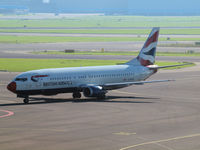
<point>26,100</point>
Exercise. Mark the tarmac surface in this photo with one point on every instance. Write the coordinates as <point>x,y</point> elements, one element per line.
<point>95,35</point>
<point>89,46</point>
<point>96,57</point>
<point>159,116</point>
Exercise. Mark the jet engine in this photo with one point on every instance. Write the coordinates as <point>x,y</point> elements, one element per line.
<point>94,91</point>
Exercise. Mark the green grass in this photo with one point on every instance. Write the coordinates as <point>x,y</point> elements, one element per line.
<point>21,65</point>
<point>86,53</point>
<point>47,39</point>
<point>104,31</point>
<point>107,21</point>
<point>175,54</point>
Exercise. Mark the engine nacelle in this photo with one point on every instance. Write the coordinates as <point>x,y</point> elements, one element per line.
<point>94,91</point>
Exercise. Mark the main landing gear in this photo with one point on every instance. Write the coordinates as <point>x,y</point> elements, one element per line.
<point>76,95</point>
<point>103,96</point>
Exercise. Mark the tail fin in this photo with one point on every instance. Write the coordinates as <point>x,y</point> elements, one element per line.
<point>147,54</point>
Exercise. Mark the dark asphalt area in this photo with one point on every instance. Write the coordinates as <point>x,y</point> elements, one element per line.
<point>153,116</point>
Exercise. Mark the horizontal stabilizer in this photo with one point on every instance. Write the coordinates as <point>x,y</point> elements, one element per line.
<point>160,67</point>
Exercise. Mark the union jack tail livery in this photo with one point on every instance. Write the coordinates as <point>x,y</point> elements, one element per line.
<point>147,54</point>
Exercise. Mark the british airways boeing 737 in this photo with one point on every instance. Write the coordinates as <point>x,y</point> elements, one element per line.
<point>91,81</point>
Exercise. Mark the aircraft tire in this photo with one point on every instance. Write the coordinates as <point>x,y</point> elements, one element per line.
<point>76,95</point>
<point>26,101</point>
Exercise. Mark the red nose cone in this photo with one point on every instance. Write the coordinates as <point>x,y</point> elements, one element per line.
<point>12,87</point>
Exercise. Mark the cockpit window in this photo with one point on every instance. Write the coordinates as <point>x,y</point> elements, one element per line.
<point>21,79</point>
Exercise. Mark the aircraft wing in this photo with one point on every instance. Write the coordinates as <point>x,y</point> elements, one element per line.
<point>109,86</point>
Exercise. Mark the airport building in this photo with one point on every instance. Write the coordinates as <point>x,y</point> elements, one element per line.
<point>13,9</point>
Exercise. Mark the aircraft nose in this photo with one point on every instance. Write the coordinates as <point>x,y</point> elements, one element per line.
<point>12,87</point>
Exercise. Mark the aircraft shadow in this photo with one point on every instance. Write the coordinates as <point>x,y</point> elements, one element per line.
<point>109,99</point>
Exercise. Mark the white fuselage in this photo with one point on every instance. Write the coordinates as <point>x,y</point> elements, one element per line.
<point>80,76</point>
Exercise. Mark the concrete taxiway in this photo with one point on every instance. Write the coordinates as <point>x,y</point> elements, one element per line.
<point>88,46</point>
<point>159,116</point>
<point>95,57</point>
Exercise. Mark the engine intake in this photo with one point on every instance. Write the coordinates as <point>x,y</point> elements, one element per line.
<point>94,91</point>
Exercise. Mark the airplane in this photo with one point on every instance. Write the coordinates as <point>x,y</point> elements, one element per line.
<point>93,81</point>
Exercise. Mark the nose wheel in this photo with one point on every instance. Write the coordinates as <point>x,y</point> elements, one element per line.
<point>26,100</point>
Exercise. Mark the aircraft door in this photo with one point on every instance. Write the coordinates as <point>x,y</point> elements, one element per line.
<point>36,81</point>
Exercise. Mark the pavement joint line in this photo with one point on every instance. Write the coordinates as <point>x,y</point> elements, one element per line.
<point>189,77</point>
<point>125,133</point>
<point>52,130</point>
<point>163,146</point>
<point>161,141</point>
<point>158,144</point>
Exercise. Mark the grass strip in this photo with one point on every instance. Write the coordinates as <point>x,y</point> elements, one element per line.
<point>106,21</point>
<point>47,39</point>
<point>21,65</point>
